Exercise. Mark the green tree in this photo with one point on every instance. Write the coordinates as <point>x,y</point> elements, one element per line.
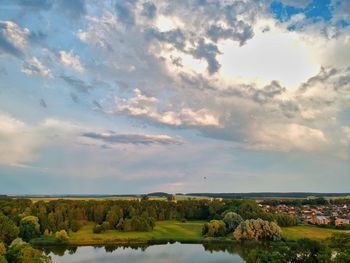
<point>215,228</point>
<point>232,220</point>
<point>8,230</point>
<point>22,252</point>
<point>257,229</point>
<point>114,215</point>
<point>29,228</point>
<point>2,253</point>
<point>62,236</point>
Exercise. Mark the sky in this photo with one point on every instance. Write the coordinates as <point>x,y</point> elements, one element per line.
<point>136,96</point>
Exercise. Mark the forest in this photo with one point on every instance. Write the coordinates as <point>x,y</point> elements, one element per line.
<point>23,220</point>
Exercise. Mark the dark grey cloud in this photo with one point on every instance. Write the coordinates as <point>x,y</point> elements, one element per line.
<point>3,72</point>
<point>297,3</point>
<point>240,32</point>
<point>43,103</point>
<point>208,52</point>
<point>77,84</point>
<point>125,11</point>
<point>174,37</point>
<point>268,92</point>
<point>37,37</point>
<point>35,5</point>
<point>74,97</point>
<point>289,108</point>
<point>97,104</point>
<point>73,9</point>
<point>149,10</point>
<point>113,138</point>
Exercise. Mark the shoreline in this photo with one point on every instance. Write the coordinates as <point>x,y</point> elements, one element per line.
<point>49,243</point>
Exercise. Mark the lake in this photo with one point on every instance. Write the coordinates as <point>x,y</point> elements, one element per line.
<point>179,253</point>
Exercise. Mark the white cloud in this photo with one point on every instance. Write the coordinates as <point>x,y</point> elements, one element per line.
<point>17,141</point>
<point>13,39</point>
<point>70,60</point>
<point>34,67</point>
<point>288,137</point>
<point>275,54</point>
<point>146,106</point>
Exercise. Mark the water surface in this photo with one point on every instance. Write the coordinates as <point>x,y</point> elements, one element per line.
<point>169,253</point>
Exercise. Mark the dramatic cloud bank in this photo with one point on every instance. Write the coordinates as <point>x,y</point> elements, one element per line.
<point>154,95</point>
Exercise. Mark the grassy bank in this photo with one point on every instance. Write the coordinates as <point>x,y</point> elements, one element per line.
<point>164,231</point>
<point>170,231</point>
<point>311,232</point>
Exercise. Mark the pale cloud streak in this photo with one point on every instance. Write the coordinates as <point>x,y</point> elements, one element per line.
<point>34,67</point>
<point>13,39</point>
<point>70,60</point>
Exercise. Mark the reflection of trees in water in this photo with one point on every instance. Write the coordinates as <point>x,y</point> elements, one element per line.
<point>240,248</point>
<point>61,250</point>
<point>142,247</point>
<point>243,249</point>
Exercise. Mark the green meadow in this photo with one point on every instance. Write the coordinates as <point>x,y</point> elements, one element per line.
<point>311,232</point>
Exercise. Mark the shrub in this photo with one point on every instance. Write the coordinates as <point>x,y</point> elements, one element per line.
<point>105,226</point>
<point>8,230</point>
<point>62,236</point>
<point>257,229</point>
<point>232,220</point>
<point>215,228</point>
<point>29,228</point>
<point>97,229</point>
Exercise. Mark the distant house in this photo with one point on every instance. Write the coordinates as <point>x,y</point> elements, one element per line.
<point>320,220</point>
<point>342,221</point>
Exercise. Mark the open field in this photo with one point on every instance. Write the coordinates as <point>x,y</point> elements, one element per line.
<point>103,198</point>
<point>175,231</point>
<point>163,231</point>
<point>298,232</point>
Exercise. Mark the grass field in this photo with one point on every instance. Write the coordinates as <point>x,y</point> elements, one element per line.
<point>164,230</point>
<point>103,198</point>
<point>298,232</point>
<point>174,231</point>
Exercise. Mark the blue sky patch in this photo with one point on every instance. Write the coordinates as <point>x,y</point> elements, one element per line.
<point>316,10</point>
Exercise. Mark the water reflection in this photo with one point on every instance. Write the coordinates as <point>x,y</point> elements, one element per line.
<point>180,253</point>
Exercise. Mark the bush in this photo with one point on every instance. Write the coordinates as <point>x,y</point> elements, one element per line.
<point>105,226</point>
<point>22,252</point>
<point>62,236</point>
<point>29,228</point>
<point>8,230</point>
<point>257,229</point>
<point>2,249</point>
<point>232,220</point>
<point>97,229</point>
<point>215,228</point>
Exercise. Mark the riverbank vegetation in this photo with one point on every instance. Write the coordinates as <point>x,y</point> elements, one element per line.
<point>144,221</point>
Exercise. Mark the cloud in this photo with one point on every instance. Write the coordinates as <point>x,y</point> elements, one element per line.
<point>208,52</point>
<point>18,141</point>
<point>288,137</point>
<point>77,84</point>
<point>33,67</point>
<point>113,138</point>
<point>43,103</point>
<point>13,39</point>
<point>146,106</point>
<point>73,9</point>
<point>149,10</point>
<point>297,3</point>
<point>124,11</point>
<point>70,60</point>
